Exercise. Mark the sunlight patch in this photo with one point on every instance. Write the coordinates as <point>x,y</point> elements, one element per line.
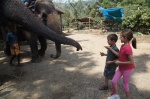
<point>1,52</point>
<point>70,69</point>
<point>2,58</point>
<point>25,59</point>
<point>36,95</point>
<point>55,87</point>
<point>38,82</point>
<point>90,71</point>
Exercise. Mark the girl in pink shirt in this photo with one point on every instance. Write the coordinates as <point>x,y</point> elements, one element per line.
<point>125,62</point>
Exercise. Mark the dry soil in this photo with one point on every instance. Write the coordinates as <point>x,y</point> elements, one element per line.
<point>76,74</point>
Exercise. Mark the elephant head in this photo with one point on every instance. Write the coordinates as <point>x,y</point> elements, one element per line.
<point>14,10</point>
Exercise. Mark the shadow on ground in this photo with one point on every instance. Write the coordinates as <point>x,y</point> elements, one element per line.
<point>75,75</point>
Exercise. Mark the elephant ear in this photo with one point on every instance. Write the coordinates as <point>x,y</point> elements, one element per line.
<point>53,22</point>
<point>46,11</point>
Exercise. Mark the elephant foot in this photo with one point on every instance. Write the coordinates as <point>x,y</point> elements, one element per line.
<point>36,60</point>
<point>54,56</point>
<point>41,54</point>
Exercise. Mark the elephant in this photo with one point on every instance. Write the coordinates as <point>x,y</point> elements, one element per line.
<point>15,11</point>
<point>45,10</point>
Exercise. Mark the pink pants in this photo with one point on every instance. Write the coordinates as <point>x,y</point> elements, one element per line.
<point>126,77</point>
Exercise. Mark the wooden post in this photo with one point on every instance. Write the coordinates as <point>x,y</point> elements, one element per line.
<point>89,23</point>
<point>60,23</point>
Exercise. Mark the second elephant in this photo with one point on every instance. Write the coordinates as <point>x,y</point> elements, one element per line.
<point>45,10</point>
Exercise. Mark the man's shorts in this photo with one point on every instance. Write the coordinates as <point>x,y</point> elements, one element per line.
<point>14,48</point>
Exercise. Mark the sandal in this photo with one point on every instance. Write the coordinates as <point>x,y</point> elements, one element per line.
<point>112,92</point>
<point>103,87</point>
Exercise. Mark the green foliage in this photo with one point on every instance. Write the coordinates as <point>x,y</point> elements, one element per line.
<point>67,18</point>
<point>136,12</point>
<point>81,26</point>
<point>93,12</point>
<point>139,21</point>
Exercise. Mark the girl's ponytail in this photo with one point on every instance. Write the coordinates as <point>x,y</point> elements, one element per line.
<point>134,42</point>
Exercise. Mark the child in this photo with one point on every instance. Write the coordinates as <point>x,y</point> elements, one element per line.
<point>125,62</point>
<point>110,66</point>
<point>11,39</point>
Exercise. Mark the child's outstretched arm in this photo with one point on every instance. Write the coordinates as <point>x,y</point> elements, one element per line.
<point>111,62</point>
<point>115,52</point>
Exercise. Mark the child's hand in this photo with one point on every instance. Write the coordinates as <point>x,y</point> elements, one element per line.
<point>109,62</point>
<point>117,62</point>
<point>107,47</point>
<point>102,54</point>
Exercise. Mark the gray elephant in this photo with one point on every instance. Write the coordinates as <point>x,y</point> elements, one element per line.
<point>45,10</point>
<point>15,11</point>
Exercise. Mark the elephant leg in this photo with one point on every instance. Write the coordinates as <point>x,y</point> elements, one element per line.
<point>58,50</point>
<point>53,22</point>
<point>32,39</point>
<point>43,44</point>
<point>7,49</point>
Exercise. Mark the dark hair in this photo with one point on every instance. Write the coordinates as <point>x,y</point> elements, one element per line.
<point>129,35</point>
<point>113,37</point>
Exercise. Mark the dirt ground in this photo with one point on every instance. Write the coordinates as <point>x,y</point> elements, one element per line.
<point>75,75</point>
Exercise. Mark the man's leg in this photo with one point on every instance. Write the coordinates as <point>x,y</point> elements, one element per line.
<point>18,58</point>
<point>11,64</point>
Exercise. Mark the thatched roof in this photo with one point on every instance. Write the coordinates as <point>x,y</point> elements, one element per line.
<point>59,11</point>
<point>85,19</point>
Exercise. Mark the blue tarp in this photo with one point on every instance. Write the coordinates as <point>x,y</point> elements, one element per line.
<point>113,13</point>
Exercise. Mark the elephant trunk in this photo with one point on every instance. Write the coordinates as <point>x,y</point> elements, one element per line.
<point>16,11</point>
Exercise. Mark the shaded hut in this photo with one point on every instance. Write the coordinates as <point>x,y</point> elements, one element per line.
<point>87,21</point>
<point>60,12</point>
